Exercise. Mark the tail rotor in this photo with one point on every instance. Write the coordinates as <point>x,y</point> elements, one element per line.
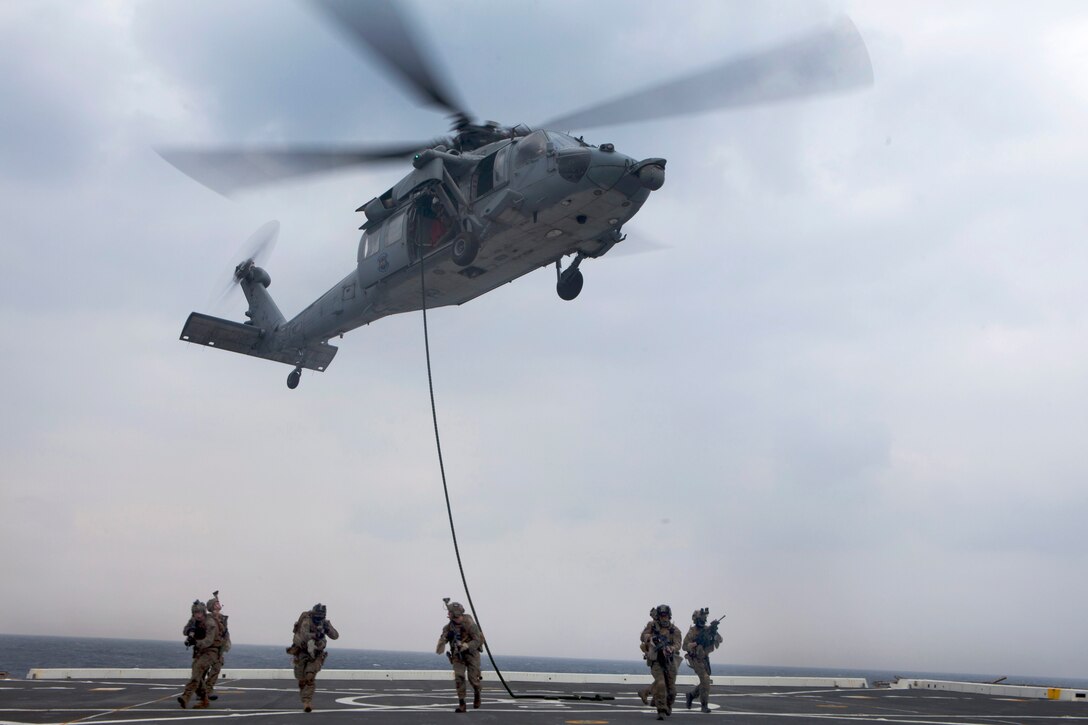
<point>250,255</point>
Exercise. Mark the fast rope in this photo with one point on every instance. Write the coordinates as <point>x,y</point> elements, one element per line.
<point>449,508</point>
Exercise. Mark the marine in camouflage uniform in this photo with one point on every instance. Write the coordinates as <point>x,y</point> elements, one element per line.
<point>660,644</point>
<point>465,641</point>
<point>215,609</point>
<point>312,630</point>
<point>201,632</point>
<point>699,642</point>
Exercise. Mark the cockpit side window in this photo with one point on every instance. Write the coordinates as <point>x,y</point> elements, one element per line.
<point>491,172</point>
<point>531,148</point>
<point>485,175</point>
<point>501,165</point>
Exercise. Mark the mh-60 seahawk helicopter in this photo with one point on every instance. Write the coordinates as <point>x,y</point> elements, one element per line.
<point>489,203</point>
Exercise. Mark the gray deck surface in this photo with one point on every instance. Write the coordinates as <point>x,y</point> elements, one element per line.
<point>412,702</point>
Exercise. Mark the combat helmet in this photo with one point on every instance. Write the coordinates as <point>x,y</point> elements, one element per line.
<point>455,608</point>
<point>319,611</point>
<point>213,601</point>
<point>199,607</point>
<point>663,610</point>
<point>699,615</point>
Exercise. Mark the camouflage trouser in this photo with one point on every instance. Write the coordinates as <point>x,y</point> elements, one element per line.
<point>469,664</point>
<point>702,669</point>
<point>202,664</point>
<point>306,670</point>
<point>664,687</point>
<point>213,672</point>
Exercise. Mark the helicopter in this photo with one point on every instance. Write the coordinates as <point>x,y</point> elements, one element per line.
<point>488,203</point>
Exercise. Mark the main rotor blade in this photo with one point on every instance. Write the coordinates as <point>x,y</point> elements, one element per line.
<point>381,27</point>
<point>827,61</point>
<point>228,170</point>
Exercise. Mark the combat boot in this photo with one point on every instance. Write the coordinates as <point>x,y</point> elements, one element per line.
<point>306,706</point>
<point>202,704</point>
<point>690,696</point>
<point>644,695</point>
<point>706,708</point>
<point>183,701</point>
<point>461,706</point>
<point>476,698</point>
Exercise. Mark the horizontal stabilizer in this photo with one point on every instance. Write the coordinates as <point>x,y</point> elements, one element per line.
<point>211,331</point>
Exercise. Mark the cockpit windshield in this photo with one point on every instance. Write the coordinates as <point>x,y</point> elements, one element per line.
<point>531,148</point>
<point>563,141</point>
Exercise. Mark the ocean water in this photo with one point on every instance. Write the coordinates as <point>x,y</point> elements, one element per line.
<point>20,653</point>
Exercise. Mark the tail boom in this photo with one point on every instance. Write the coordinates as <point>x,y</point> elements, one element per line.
<point>201,329</point>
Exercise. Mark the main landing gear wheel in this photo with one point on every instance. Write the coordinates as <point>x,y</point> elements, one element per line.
<point>465,249</point>
<point>294,377</point>
<point>570,285</point>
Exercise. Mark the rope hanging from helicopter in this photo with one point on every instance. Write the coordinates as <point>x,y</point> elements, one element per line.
<point>449,508</point>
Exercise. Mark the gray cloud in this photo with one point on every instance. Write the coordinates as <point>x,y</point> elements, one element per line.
<point>845,403</point>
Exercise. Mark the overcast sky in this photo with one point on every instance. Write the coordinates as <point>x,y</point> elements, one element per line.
<point>847,405</point>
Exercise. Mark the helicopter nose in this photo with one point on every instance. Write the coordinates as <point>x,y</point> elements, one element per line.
<point>652,176</point>
<point>650,173</point>
<point>602,169</point>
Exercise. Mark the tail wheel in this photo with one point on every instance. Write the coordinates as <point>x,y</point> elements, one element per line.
<point>293,378</point>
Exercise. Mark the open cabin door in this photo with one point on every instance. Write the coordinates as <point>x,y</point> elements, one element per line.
<point>429,227</point>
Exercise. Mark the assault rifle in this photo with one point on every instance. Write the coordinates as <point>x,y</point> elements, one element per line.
<point>662,648</point>
<point>455,636</point>
<point>190,633</point>
<point>317,641</point>
<point>706,637</point>
<point>194,632</point>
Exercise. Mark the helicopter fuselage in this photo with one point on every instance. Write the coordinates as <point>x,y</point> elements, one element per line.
<point>489,203</point>
<point>473,221</point>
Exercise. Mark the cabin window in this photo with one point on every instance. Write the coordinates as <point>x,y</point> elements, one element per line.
<point>373,242</point>
<point>394,231</point>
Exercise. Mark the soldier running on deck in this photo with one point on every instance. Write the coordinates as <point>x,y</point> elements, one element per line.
<point>308,650</point>
<point>215,609</point>
<point>201,633</point>
<point>465,641</point>
<point>660,644</point>
<point>699,642</point>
